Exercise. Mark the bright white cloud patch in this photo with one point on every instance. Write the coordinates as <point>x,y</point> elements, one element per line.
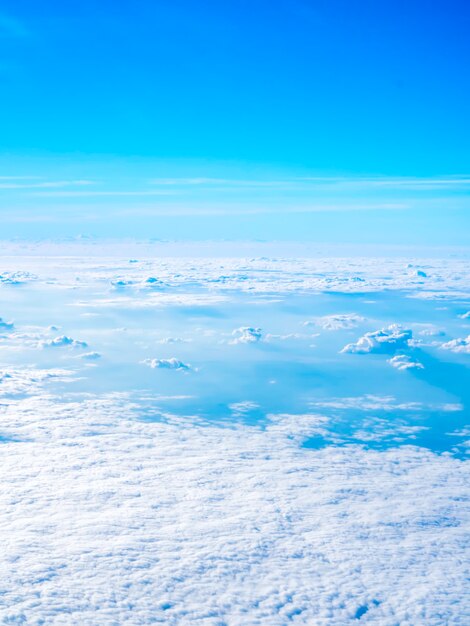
<point>169,364</point>
<point>381,341</point>
<point>249,494</point>
<point>405,362</point>
<point>247,334</point>
<point>458,345</point>
<point>61,341</point>
<point>173,522</point>
<point>336,322</point>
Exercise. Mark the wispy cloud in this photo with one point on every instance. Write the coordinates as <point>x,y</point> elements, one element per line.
<point>93,193</point>
<point>408,182</point>
<point>51,184</point>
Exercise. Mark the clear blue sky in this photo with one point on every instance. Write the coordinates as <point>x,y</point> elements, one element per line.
<point>228,108</point>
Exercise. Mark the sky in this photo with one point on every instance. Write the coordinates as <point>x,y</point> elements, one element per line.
<point>322,121</point>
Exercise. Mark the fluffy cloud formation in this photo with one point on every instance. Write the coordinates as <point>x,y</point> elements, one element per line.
<point>16,278</point>
<point>336,322</point>
<point>461,345</point>
<point>405,362</point>
<point>63,340</point>
<point>177,522</point>
<point>169,364</point>
<point>247,334</point>
<point>387,340</point>
<point>19,381</point>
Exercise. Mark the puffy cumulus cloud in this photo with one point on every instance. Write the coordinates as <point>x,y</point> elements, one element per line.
<point>177,522</point>
<point>405,362</point>
<point>61,341</point>
<point>16,278</point>
<point>339,321</point>
<point>247,334</point>
<point>169,364</point>
<point>151,282</point>
<point>387,340</point>
<point>458,345</point>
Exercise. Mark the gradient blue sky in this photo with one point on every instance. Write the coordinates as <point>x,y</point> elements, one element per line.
<point>338,121</point>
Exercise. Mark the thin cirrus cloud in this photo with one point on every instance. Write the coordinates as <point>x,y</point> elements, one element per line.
<point>12,183</point>
<point>322,181</point>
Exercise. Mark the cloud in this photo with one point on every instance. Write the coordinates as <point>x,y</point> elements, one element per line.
<point>241,409</point>
<point>461,345</point>
<point>387,340</point>
<point>52,184</point>
<point>321,182</point>
<point>290,336</point>
<point>405,362</point>
<point>5,325</point>
<point>339,321</point>
<point>61,341</point>
<point>23,380</point>
<point>373,403</point>
<point>177,521</point>
<point>168,340</point>
<point>171,364</point>
<point>246,334</point>
<point>16,278</point>
<point>90,356</point>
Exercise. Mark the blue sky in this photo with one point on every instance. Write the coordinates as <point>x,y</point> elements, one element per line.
<point>321,120</point>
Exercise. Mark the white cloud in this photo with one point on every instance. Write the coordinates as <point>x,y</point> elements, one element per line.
<point>387,340</point>
<point>16,278</point>
<point>461,345</point>
<point>339,321</point>
<point>431,331</point>
<point>22,380</point>
<point>371,402</point>
<point>290,336</point>
<point>180,522</point>
<point>405,362</point>
<point>5,325</point>
<point>167,340</point>
<point>90,356</point>
<point>247,334</point>
<point>61,341</point>
<point>171,364</point>
<point>240,409</point>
